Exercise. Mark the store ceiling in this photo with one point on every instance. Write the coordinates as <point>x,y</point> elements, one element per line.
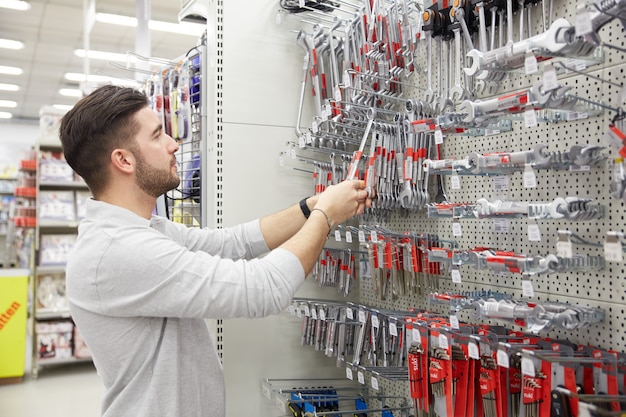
<point>52,29</point>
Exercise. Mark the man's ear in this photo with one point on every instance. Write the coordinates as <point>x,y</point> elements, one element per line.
<point>123,160</point>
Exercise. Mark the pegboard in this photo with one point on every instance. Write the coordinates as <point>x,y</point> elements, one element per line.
<point>604,288</point>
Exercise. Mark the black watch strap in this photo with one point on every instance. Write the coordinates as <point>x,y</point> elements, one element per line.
<point>305,208</point>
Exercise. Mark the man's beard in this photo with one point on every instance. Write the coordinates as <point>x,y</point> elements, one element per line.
<point>154,181</point>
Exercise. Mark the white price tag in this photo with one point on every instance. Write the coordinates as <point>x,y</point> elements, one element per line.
<point>550,80</point>
<point>527,288</point>
<point>308,138</point>
<point>291,310</point>
<point>530,63</point>
<point>337,93</point>
<point>455,181</point>
<point>530,118</point>
<point>266,391</point>
<point>337,236</point>
<point>374,383</point>
<point>501,225</point>
<point>613,251</point>
<point>502,358</point>
<point>472,350</point>
<point>393,329</point>
<point>302,142</point>
<point>373,236</point>
<point>375,323</point>
<point>438,137</point>
<point>443,341</point>
<point>314,313</point>
<point>456,229</point>
<point>349,314</point>
<point>528,367</point>
<point>530,180</point>
<point>564,249</point>
<point>280,404</point>
<point>534,233</point>
<point>500,183</point>
<point>307,311</point>
<point>583,23</point>
<point>348,237</point>
<point>456,275</point>
<point>361,236</point>
<point>361,316</point>
<point>322,314</point>
<point>346,79</point>
<point>454,321</point>
<point>415,334</point>
<point>360,377</point>
<point>349,374</point>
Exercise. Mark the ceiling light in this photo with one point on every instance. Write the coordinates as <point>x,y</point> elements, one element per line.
<point>64,107</point>
<point>183,28</point>
<point>71,92</point>
<point>99,79</point>
<point>9,87</point>
<point>117,57</point>
<point>5,115</point>
<point>11,44</point>
<point>11,70</point>
<point>8,103</point>
<point>15,5</point>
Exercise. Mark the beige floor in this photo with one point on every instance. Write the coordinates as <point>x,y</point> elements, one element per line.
<point>61,391</point>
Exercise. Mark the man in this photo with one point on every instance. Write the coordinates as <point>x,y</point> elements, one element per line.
<point>140,286</point>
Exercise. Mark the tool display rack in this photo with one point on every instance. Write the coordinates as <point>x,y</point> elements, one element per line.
<point>605,288</point>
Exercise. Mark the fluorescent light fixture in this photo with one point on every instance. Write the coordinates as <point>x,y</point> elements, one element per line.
<point>117,57</point>
<point>15,5</point>
<point>99,79</point>
<point>9,87</point>
<point>5,115</point>
<point>11,70</point>
<point>65,107</point>
<point>10,44</point>
<point>8,103</point>
<point>71,92</point>
<point>183,28</point>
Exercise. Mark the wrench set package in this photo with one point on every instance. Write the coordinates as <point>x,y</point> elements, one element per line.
<point>482,129</point>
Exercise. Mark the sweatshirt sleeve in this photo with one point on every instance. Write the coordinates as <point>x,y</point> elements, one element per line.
<point>144,273</point>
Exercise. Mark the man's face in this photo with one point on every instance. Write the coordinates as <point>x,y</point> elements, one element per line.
<point>154,154</point>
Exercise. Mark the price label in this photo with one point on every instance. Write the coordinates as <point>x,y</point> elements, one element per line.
<point>348,237</point>
<point>443,341</point>
<point>502,358</point>
<point>281,404</point>
<point>527,288</point>
<point>322,314</point>
<point>528,367</point>
<point>349,374</point>
<point>456,228</point>
<point>583,23</point>
<point>291,310</point>
<point>374,383</point>
<point>613,251</point>
<point>337,236</point>
<point>415,334</point>
<point>454,321</point>
<point>472,350</point>
<point>501,225</point>
<point>564,249</point>
<point>534,233</point>
<point>550,81</point>
<point>530,63</point>
<point>307,311</point>
<point>393,329</point>
<point>438,136</point>
<point>349,314</point>
<point>375,323</point>
<point>302,142</point>
<point>373,236</point>
<point>314,313</point>
<point>360,377</point>
<point>361,236</point>
<point>500,183</point>
<point>455,181</point>
<point>456,275</point>
<point>266,391</point>
<point>361,316</point>
<point>346,79</point>
<point>530,179</point>
<point>530,118</point>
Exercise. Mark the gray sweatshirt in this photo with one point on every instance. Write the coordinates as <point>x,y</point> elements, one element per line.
<point>139,291</point>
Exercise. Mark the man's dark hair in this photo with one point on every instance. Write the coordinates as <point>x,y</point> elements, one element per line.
<point>97,124</point>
